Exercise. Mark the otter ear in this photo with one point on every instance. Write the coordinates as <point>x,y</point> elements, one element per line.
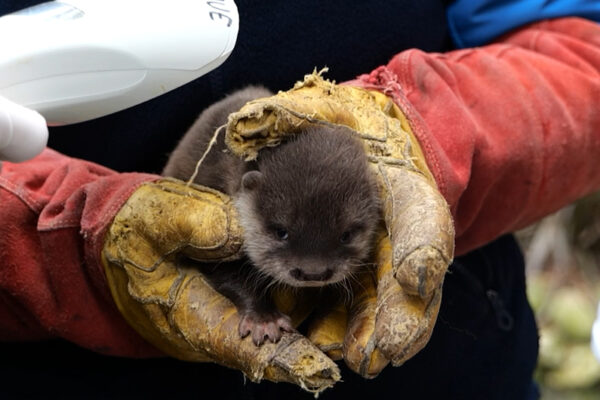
<point>251,180</point>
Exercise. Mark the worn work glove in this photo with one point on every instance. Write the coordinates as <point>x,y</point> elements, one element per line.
<point>169,302</point>
<point>395,308</point>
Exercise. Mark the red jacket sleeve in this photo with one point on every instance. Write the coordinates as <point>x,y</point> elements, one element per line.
<point>54,211</point>
<point>511,131</point>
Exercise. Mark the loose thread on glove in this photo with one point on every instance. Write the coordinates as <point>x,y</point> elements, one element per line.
<point>212,142</point>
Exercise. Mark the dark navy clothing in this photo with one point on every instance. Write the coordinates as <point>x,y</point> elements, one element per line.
<point>484,345</point>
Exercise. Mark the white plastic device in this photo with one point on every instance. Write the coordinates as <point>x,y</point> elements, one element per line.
<point>75,60</point>
<point>23,132</point>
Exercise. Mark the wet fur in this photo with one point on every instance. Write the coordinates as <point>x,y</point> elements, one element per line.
<point>316,186</point>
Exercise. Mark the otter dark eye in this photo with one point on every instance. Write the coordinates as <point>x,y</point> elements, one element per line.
<point>281,234</point>
<point>346,236</point>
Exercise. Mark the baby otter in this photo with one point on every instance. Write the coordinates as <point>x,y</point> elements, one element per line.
<point>308,207</point>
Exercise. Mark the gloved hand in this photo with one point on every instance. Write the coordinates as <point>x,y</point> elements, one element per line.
<point>169,302</point>
<point>394,311</point>
<point>23,132</point>
<point>498,173</point>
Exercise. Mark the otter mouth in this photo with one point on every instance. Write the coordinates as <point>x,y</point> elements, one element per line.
<point>305,279</point>
<point>300,275</point>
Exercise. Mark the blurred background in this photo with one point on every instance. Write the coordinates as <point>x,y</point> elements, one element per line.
<point>563,275</point>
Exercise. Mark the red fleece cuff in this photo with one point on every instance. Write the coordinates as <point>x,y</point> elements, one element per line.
<point>55,211</point>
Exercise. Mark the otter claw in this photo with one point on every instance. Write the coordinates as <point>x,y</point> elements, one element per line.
<point>264,326</point>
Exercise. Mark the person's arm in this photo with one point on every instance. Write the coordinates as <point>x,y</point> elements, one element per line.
<point>99,258</point>
<point>511,131</point>
<point>54,212</point>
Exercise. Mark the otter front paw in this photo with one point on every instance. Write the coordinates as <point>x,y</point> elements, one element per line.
<point>264,326</point>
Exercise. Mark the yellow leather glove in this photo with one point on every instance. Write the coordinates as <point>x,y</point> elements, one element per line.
<point>395,308</point>
<point>169,302</point>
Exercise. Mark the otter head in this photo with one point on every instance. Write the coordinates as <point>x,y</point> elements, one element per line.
<point>310,210</point>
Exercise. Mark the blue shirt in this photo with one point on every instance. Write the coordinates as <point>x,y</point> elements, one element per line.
<point>477,22</point>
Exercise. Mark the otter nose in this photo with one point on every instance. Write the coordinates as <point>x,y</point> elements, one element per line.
<point>300,275</point>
